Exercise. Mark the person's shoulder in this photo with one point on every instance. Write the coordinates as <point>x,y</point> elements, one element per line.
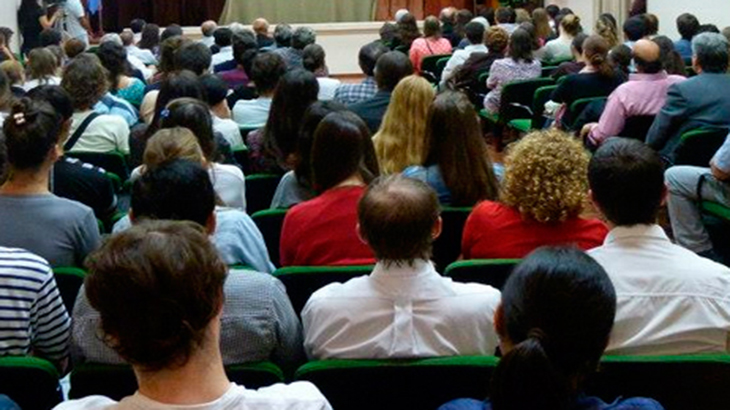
<point>74,208</point>
<point>228,169</point>
<point>465,404</point>
<point>489,207</point>
<point>21,259</point>
<point>90,402</point>
<point>300,395</point>
<point>635,403</point>
<point>415,171</point>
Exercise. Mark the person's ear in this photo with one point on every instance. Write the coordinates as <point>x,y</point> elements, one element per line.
<point>360,235</point>
<point>211,223</point>
<point>437,228</point>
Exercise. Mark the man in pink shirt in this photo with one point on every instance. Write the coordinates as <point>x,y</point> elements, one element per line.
<point>644,94</point>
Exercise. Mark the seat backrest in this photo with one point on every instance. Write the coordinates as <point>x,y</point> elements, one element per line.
<point>696,147</point>
<point>517,97</point>
<point>429,68</point>
<point>112,161</point>
<point>302,281</point>
<point>677,382</point>
<point>269,223</point>
<point>447,247</point>
<point>576,108</point>
<point>260,189</point>
<point>548,70</point>
<point>492,272</point>
<point>241,154</point>
<point>637,127</point>
<point>399,384</point>
<point>69,281</point>
<point>30,381</point>
<point>541,96</point>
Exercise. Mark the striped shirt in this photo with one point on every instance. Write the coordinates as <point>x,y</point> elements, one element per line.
<point>33,318</point>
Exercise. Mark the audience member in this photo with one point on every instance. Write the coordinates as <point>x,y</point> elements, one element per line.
<point>541,20</point>
<point>32,20</point>
<point>407,32</point>
<point>542,196</point>
<point>455,159</point>
<point>300,38</point>
<point>652,24</point>
<point>430,44</point>
<point>42,69</point>
<point>150,38</point>
<point>553,11</point>
<point>16,77</point>
<point>137,26</point>
<point>606,28</point>
<point>708,28</point>
<point>687,25</point>
<point>389,70</point>
<point>321,231</point>
<point>244,39</point>
<point>243,48</point>
<point>466,78</point>
<point>475,34</point>
<point>634,30</point>
<point>114,59</point>
<point>644,94</point>
<point>671,60</point>
<point>553,322</point>
<point>670,301</point>
<point>620,58</point>
<point>51,37</point>
<point>578,63</point>
<point>74,47</point>
<point>208,29</point>
<point>282,35</point>
<point>261,28</point>
<point>173,30</point>
<point>726,33</point>
<point>137,283</point>
<point>701,101</point>
<point>447,18</point>
<point>224,41</point>
<point>559,49</point>
<point>505,18</point>
<point>367,58</point>
<point>388,33</point>
<point>266,71</point>
<point>363,318</point>
<point>215,93</point>
<point>194,57</point>
<point>60,231</point>
<point>519,64</point>
<point>313,59</point>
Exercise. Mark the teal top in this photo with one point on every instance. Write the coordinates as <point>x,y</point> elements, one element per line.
<point>133,93</point>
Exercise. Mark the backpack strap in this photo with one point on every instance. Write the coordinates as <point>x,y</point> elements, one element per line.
<point>80,131</point>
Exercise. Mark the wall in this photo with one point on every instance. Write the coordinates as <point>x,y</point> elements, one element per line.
<point>9,18</point>
<point>707,11</point>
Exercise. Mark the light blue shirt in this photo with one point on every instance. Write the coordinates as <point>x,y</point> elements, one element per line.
<point>112,105</point>
<point>721,159</point>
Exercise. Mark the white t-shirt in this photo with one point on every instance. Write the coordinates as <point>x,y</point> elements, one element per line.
<point>106,133</point>
<point>252,113</point>
<point>74,14</point>
<point>327,88</point>
<point>228,129</point>
<point>295,396</point>
<point>31,84</point>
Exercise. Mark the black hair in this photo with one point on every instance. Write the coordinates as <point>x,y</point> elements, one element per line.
<point>223,36</point>
<point>266,71</point>
<point>578,41</point>
<point>282,35</point>
<point>50,37</point>
<point>194,115</point>
<point>179,190</point>
<point>313,57</point>
<point>552,10</point>
<point>474,32</point>
<point>216,89</point>
<point>177,85</point>
<point>173,30</point>
<point>687,25</point>
<point>392,67</point>
<point>312,117</point>
<point>368,56</point>
<point>521,45</point>
<point>31,130</point>
<point>504,15</point>
<point>302,37</point>
<point>150,37</point>
<point>620,58</point>
<point>137,25</point>
<point>195,57</point>
<point>627,180</point>
<point>242,44</point>
<point>557,311</point>
<point>114,58</point>
<point>635,28</point>
<point>56,96</point>
<point>708,28</point>
<point>669,59</point>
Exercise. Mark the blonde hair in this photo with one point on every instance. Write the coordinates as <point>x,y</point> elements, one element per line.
<point>546,176</point>
<point>170,144</point>
<point>571,24</point>
<point>400,140</point>
<point>606,29</point>
<point>541,20</point>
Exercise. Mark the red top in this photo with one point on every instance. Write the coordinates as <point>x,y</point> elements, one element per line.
<point>322,231</point>
<point>497,231</point>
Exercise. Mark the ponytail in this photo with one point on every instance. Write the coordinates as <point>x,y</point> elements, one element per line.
<point>596,50</point>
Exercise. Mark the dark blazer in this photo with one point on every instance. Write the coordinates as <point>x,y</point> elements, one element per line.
<point>701,101</point>
<point>373,110</point>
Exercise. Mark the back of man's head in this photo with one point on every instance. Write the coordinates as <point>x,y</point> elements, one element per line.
<point>50,37</point>
<point>243,43</point>
<point>223,36</point>
<point>157,287</point>
<point>137,25</point>
<point>711,52</point>
<point>195,57</point>
<point>266,70</point>
<point>127,38</point>
<point>687,25</point>
<point>647,56</point>
<point>302,37</point>
<point>369,55</point>
<point>397,217</point>
<point>391,68</point>
<point>504,15</point>
<point>474,32</point>
<point>448,15</point>
<point>282,35</point>
<point>627,181</point>
<point>260,26</point>
<point>635,28</point>
<point>178,190</point>
<point>208,28</point>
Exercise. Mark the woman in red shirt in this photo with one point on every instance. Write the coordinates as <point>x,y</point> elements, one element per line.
<point>543,193</point>
<point>322,231</point>
<point>430,44</point>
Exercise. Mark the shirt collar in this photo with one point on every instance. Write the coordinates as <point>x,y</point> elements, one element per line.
<point>662,75</point>
<point>652,231</point>
<point>418,268</point>
<point>475,47</point>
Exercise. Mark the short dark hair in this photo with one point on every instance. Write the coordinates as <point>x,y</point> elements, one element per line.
<point>195,57</point>
<point>302,37</point>
<point>635,28</point>
<point>687,25</point>
<point>313,57</point>
<point>474,32</point>
<point>368,56</point>
<point>578,41</point>
<point>397,215</point>
<point>266,71</point>
<point>178,190</point>
<point>243,43</point>
<point>50,37</point>
<point>56,96</point>
<point>150,37</point>
<point>708,28</point>
<point>558,308</point>
<point>137,25</point>
<point>157,286</point>
<point>114,58</point>
<point>392,67</point>
<point>341,135</point>
<point>504,15</point>
<point>29,140</point>
<point>627,180</point>
<point>652,23</point>
<point>282,35</point>
<point>173,30</point>
<point>520,45</point>
<point>552,10</point>
<point>216,89</point>
<point>431,27</point>
<point>223,36</point>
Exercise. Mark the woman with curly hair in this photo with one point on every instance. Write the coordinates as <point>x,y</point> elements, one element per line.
<point>406,31</point>
<point>400,139</point>
<point>543,192</point>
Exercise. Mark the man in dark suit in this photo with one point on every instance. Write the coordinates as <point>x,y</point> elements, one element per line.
<point>389,70</point>
<point>701,101</point>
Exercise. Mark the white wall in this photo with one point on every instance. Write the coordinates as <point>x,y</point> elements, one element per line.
<point>707,11</point>
<point>9,18</point>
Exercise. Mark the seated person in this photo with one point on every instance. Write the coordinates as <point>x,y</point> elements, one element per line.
<point>577,64</point>
<point>266,70</point>
<point>114,58</point>
<point>313,59</point>
<point>670,301</point>
<point>242,46</point>
<point>322,231</point>
<point>542,197</point>
<point>404,308</point>
<point>520,64</point>
<point>687,26</point>
<point>59,230</point>
<point>215,93</point>
<point>261,27</point>
<point>559,49</point>
<point>355,93</point>
<point>547,357</point>
<point>432,43</point>
<point>456,161</point>
<point>42,69</point>
<point>475,35</point>
<point>16,76</point>
<point>138,283</point>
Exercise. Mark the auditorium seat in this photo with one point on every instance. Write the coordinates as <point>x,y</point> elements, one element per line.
<point>697,147</point>
<point>637,127</point>
<point>260,189</point>
<point>112,161</point>
<point>537,122</point>
<point>492,272</point>
<point>577,108</point>
<point>429,67</point>
<point>69,281</point>
<point>269,222</point>
<point>447,247</point>
<point>30,381</point>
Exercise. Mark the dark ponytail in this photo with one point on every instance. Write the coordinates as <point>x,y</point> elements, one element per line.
<point>31,130</point>
<point>596,50</point>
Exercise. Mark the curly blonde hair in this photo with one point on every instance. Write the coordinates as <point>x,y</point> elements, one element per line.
<point>606,29</point>
<point>546,176</point>
<point>399,141</point>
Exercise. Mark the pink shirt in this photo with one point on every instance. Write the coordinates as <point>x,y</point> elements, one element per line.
<point>424,47</point>
<point>643,94</point>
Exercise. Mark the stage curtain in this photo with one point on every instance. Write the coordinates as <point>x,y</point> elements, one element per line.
<point>387,8</point>
<point>118,13</point>
<point>298,11</point>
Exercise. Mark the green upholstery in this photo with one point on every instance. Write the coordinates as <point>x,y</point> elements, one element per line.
<point>556,62</point>
<point>114,162</point>
<point>576,108</point>
<point>399,384</point>
<point>403,49</point>
<point>522,125</point>
<point>429,67</point>
<point>547,70</point>
<point>541,96</point>
<point>492,117</point>
<point>269,222</point>
<point>493,272</point>
<point>302,281</point>
<point>69,281</point>
<point>241,154</point>
<point>118,381</point>
<point>516,101</point>
<point>696,147</point>
<point>441,64</point>
<point>716,209</point>
<point>30,381</point>
<point>447,247</point>
<point>260,189</point>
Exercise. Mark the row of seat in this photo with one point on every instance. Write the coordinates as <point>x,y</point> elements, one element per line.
<point>678,382</point>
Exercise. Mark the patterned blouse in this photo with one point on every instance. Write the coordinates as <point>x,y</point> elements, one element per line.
<point>507,70</point>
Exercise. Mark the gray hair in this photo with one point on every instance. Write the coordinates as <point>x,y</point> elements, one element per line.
<point>711,51</point>
<point>302,37</point>
<point>113,38</point>
<point>282,35</point>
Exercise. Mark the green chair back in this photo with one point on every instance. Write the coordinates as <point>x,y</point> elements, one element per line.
<point>576,108</point>
<point>30,381</point>
<point>492,272</point>
<point>260,189</point>
<point>548,70</point>
<point>447,247</point>
<point>269,222</point>
<point>517,98</point>
<point>114,162</point>
<point>429,67</point>
<point>542,95</point>
<point>716,210</point>
<point>69,281</point>
<point>556,62</point>
<point>302,281</point>
<point>400,384</point>
<point>696,147</point>
<point>241,154</point>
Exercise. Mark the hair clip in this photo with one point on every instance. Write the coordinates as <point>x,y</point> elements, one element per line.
<point>165,113</point>
<point>19,118</point>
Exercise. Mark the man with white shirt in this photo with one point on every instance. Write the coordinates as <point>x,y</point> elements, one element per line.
<point>404,308</point>
<point>224,40</point>
<point>669,300</point>
<point>475,34</point>
<point>135,54</point>
<point>266,70</point>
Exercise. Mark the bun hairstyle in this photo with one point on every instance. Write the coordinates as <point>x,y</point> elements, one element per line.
<point>313,57</point>
<point>31,130</point>
<point>571,24</point>
<point>557,312</point>
<point>595,49</point>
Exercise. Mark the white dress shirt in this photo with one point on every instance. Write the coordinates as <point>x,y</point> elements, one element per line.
<point>400,312</point>
<point>252,113</point>
<point>224,55</point>
<point>459,58</point>
<point>670,300</point>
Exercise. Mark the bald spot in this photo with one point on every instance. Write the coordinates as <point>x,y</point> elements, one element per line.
<point>647,50</point>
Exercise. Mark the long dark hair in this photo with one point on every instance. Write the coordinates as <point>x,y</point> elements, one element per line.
<point>179,85</point>
<point>312,118</point>
<point>454,142</point>
<point>407,30</point>
<point>150,37</point>
<point>557,312</point>
<point>114,58</point>
<point>521,44</point>
<point>194,115</point>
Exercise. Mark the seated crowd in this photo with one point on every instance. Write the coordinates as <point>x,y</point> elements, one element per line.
<point>181,280</point>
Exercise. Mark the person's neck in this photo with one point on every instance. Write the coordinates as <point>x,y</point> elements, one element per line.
<point>27,182</point>
<point>221,110</point>
<point>353,180</point>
